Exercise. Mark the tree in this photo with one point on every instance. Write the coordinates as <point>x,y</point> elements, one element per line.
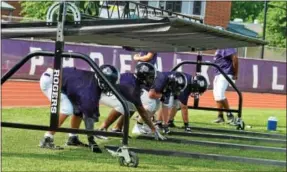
<point>276,18</point>
<point>246,10</point>
<point>38,9</point>
<point>35,9</point>
<point>276,23</point>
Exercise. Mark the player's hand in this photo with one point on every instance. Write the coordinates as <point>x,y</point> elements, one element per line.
<point>136,57</point>
<point>158,136</point>
<point>235,77</point>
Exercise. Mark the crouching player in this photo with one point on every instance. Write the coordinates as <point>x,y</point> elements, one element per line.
<point>165,88</point>
<point>130,87</point>
<point>196,85</point>
<point>81,91</point>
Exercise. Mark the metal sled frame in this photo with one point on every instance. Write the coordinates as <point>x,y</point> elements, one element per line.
<point>124,152</point>
<point>198,64</point>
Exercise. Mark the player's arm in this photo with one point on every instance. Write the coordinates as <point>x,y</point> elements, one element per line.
<point>144,58</point>
<point>153,94</point>
<point>145,116</point>
<point>156,90</point>
<point>235,65</point>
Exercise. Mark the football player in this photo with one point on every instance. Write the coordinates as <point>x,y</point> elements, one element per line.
<point>81,91</point>
<point>165,86</point>
<point>130,87</point>
<point>196,85</point>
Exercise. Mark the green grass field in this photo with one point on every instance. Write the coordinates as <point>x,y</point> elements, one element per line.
<point>20,151</point>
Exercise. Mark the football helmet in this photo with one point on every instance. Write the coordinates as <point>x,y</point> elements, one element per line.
<point>113,76</point>
<point>145,73</point>
<point>177,82</point>
<point>199,84</point>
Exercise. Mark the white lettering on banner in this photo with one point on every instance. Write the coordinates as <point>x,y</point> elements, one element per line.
<point>159,64</point>
<point>276,86</point>
<point>68,62</point>
<point>255,76</point>
<point>98,56</point>
<point>204,73</point>
<point>114,57</point>
<point>125,67</point>
<point>35,61</point>
<point>177,62</point>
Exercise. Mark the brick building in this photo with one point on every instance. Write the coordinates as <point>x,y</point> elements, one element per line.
<point>215,13</point>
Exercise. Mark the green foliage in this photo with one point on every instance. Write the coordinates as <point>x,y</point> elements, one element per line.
<point>246,10</point>
<point>35,9</point>
<point>276,23</point>
<point>276,18</point>
<point>38,9</point>
<point>89,7</point>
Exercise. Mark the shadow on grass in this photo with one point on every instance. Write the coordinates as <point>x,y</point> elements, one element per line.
<point>147,162</point>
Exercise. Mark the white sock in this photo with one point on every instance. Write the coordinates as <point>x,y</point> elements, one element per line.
<point>47,134</point>
<point>72,135</point>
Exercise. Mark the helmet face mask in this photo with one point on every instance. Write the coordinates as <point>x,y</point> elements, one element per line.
<point>199,84</point>
<point>113,76</point>
<point>177,82</point>
<point>145,73</point>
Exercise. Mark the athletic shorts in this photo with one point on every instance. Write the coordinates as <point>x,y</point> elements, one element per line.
<point>46,87</point>
<point>220,84</point>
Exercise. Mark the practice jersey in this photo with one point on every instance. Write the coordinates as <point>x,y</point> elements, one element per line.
<point>130,88</point>
<point>223,58</point>
<point>160,82</point>
<point>82,89</point>
<point>183,96</point>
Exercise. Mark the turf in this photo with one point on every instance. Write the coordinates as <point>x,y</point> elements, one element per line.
<point>20,151</point>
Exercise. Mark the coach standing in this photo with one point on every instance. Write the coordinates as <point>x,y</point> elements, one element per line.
<point>227,60</point>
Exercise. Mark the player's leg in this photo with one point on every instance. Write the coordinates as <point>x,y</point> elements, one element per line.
<point>119,125</point>
<point>141,127</point>
<point>112,102</point>
<point>218,97</point>
<point>112,117</point>
<point>117,111</point>
<point>185,118</point>
<point>221,85</point>
<point>151,106</point>
<point>163,117</point>
<point>89,124</point>
<point>230,117</point>
<point>165,108</point>
<point>65,111</point>
<point>76,119</point>
<point>172,114</point>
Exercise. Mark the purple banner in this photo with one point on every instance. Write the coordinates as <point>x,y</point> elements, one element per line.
<point>254,75</point>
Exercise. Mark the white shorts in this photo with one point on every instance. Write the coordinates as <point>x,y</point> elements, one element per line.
<point>151,105</point>
<point>220,85</point>
<point>46,79</point>
<point>176,104</point>
<point>113,102</point>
